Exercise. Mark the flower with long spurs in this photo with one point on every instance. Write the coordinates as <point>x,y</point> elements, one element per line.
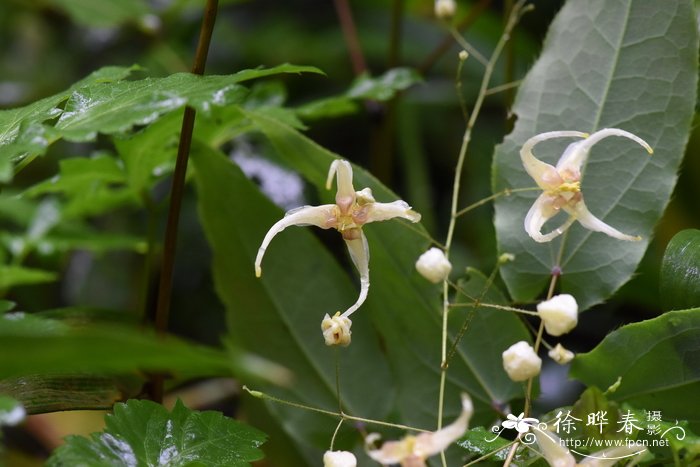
<point>562,184</point>
<point>557,454</point>
<point>412,451</point>
<point>351,211</point>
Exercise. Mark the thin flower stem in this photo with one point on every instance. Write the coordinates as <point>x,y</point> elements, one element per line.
<point>506,192</point>
<point>468,319</point>
<point>475,12</point>
<point>503,87</point>
<point>467,46</point>
<point>422,233</point>
<point>342,415</point>
<point>514,16</point>
<point>177,191</point>
<point>337,429</point>
<point>489,454</point>
<point>477,304</point>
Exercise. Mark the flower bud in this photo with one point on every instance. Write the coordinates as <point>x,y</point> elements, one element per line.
<point>433,265</point>
<point>336,330</point>
<point>445,9</point>
<point>561,355</point>
<point>339,459</point>
<point>560,314</point>
<point>521,362</point>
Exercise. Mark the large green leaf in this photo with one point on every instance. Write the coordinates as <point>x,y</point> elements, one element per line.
<point>105,103</point>
<point>629,64</point>
<point>143,433</point>
<point>680,275</point>
<point>280,314</point>
<point>49,346</point>
<point>405,308</point>
<point>656,361</point>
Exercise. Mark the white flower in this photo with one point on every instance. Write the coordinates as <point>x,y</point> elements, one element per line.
<point>413,450</point>
<point>433,265</point>
<point>560,354</point>
<point>339,459</point>
<point>521,362</point>
<point>562,184</point>
<point>559,313</point>
<point>445,8</point>
<point>350,212</point>
<point>336,330</point>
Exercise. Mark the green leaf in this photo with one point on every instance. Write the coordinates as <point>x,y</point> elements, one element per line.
<point>79,174</point>
<point>480,441</point>
<point>606,63</point>
<point>103,13</point>
<point>381,88</point>
<point>680,275</point>
<point>409,321</point>
<point>280,314</point>
<point>145,433</point>
<point>656,361</point>
<point>48,346</point>
<point>104,103</point>
<point>11,276</point>
<point>22,130</point>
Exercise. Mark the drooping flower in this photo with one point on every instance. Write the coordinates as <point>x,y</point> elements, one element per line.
<point>559,314</point>
<point>445,9</point>
<point>339,459</point>
<point>351,211</point>
<point>560,354</point>
<point>412,451</point>
<point>558,455</point>
<point>434,265</point>
<point>521,362</point>
<point>562,184</point>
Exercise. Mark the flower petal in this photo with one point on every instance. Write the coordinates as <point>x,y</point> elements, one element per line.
<point>359,253</point>
<point>544,174</point>
<point>576,154</point>
<point>385,211</point>
<point>320,216</point>
<point>393,452</point>
<point>610,456</point>
<point>540,212</point>
<point>428,444</point>
<point>591,222</point>
<point>552,449</point>
<point>345,192</point>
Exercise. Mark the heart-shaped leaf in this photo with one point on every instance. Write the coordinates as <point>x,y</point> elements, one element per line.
<point>145,433</point>
<point>629,64</point>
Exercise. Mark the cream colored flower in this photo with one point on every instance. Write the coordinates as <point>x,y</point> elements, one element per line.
<point>560,354</point>
<point>351,211</point>
<point>433,265</point>
<point>412,451</point>
<point>558,455</point>
<point>445,9</point>
<point>521,362</point>
<point>559,314</point>
<point>562,184</point>
<point>339,459</point>
<point>336,330</point>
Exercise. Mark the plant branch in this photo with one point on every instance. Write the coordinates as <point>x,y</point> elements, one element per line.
<point>517,11</point>
<point>341,415</point>
<point>342,8</point>
<point>447,41</point>
<point>177,190</point>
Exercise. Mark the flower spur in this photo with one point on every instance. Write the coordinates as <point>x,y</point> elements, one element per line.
<point>351,211</point>
<point>561,185</point>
